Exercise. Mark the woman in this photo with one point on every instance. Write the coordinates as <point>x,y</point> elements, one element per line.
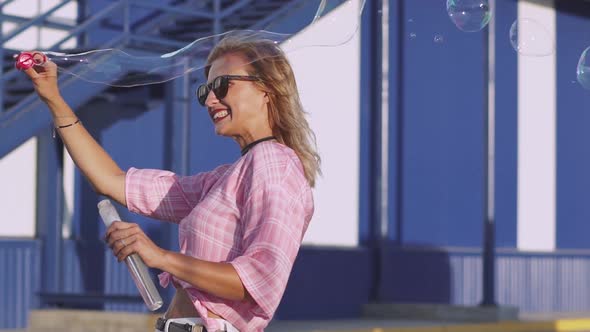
<point>241,224</point>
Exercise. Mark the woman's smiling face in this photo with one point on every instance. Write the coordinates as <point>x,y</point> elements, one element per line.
<point>243,111</point>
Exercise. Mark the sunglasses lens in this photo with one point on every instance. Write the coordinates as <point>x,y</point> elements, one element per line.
<point>220,85</point>
<point>202,93</point>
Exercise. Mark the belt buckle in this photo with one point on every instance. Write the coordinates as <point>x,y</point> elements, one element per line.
<point>183,327</point>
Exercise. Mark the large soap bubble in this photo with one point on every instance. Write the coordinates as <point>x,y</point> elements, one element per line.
<point>116,67</point>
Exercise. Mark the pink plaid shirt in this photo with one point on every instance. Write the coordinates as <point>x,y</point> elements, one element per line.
<point>252,214</point>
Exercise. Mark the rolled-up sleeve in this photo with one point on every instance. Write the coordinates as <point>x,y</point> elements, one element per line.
<point>163,194</point>
<point>275,221</point>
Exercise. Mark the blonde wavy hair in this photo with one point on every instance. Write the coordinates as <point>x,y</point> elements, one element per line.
<point>286,115</point>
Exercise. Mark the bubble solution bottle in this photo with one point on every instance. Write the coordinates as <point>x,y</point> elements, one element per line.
<point>135,264</point>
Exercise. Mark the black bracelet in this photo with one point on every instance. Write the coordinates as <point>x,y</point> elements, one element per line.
<point>68,125</point>
<point>64,126</point>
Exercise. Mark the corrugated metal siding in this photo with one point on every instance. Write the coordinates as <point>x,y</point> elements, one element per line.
<point>534,282</point>
<point>72,281</point>
<point>466,279</point>
<point>545,282</point>
<point>19,281</point>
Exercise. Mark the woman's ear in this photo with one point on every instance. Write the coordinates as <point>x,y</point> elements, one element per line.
<point>266,98</point>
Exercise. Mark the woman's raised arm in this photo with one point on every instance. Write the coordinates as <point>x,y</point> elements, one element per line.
<point>99,168</point>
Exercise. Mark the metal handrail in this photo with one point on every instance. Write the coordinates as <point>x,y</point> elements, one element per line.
<point>34,21</point>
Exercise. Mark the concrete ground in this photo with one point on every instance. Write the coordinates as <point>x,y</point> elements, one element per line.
<point>570,322</point>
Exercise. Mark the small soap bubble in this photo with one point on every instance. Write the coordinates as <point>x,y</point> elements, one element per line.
<point>469,15</point>
<point>583,69</point>
<point>529,37</point>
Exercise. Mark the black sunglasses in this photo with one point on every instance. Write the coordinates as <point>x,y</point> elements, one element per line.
<point>219,86</point>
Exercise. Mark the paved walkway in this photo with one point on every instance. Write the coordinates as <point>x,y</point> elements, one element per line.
<point>569,322</point>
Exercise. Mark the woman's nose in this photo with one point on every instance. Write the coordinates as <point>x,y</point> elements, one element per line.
<point>211,99</point>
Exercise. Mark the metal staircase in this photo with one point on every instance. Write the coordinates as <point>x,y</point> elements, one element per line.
<point>163,27</point>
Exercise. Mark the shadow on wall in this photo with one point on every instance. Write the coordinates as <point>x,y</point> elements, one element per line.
<point>415,274</point>
<point>335,283</point>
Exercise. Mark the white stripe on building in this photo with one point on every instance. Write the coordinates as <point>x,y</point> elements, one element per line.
<point>536,135</point>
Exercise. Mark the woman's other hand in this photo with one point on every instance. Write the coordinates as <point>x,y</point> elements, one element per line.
<point>126,238</point>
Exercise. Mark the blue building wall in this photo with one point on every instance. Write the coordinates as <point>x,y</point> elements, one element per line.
<point>573,102</point>
<point>437,137</point>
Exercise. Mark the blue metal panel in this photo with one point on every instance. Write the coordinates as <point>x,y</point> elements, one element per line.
<point>19,281</point>
<point>443,122</point>
<point>506,125</point>
<point>573,121</point>
<point>317,290</point>
<point>407,275</point>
